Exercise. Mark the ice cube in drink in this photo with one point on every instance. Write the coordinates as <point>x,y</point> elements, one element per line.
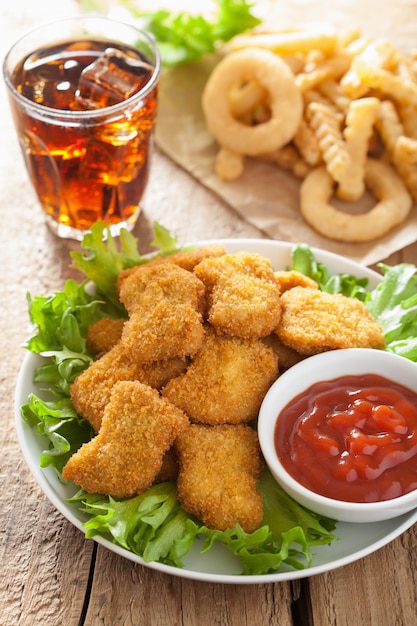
<point>111,78</point>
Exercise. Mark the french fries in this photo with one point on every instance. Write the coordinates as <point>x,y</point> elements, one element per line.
<point>359,99</point>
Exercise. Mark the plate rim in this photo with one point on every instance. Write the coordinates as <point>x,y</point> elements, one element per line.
<point>24,431</point>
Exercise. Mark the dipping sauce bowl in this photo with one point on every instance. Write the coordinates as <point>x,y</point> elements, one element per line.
<point>338,431</point>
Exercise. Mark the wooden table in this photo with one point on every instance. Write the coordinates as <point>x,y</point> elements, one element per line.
<point>50,574</point>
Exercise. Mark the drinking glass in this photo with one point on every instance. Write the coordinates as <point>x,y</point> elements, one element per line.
<point>83,93</point>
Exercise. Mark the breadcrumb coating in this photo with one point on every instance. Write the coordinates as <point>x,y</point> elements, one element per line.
<point>125,457</point>
<point>313,321</point>
<point>91,390</point>
<point>165,305</point>
<point>104,334</point>
<point>226,381</point>
<point>218,476</point>
<point>187,259</point>
<point>243,294</point>
<point>291,278</point>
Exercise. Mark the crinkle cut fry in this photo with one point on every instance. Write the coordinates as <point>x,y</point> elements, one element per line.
<point>218,475</point>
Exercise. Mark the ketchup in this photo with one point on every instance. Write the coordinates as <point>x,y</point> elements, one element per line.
<point>353,438</point>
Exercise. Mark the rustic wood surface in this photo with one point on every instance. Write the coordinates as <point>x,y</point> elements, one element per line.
<point>49,573</point>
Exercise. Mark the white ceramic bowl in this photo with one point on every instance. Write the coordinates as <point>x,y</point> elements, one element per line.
<point>322,367</point>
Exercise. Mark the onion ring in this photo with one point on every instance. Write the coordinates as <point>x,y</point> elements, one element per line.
<point>286,103</point>
<point>393,207</point>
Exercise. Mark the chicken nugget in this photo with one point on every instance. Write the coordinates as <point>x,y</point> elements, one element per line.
<point>169,469</point>
<point>226,382</point>
<point>104,334</point>
<point>90,392</point>
<point>313,321</point>
<point>218,476</point>
<point>242,292</point>
<point>165,305</point>
<point>288,279</point>
<point>126,456</point>
<point>287,357</point>
<point>187,259</point>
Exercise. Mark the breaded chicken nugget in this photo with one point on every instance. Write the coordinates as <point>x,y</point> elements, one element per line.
<point>291,278</point>
<point>313,321</point>
<point>287,357</point>
<point>165,305</point>
<point>104,334</point>
<point>169,469</point>
<point>187,259</point>
<point>243,294</point>
<point>90,392</point>
<point>226,382</point>
<point>123,460</point>
<point>218,475</point>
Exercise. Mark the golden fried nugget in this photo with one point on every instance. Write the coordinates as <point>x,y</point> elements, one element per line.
<point>226,382</point>
<point>169,468</point>
<point>218,476</point>
<point>91,390</point>
<point>187,259</point>
<point>104,334</point>
<point>287,357</point>
<point>314,321</point>
<point>165,304</point>
<point>242,292</point>
<point>126,456</point>
<point>288,279</point>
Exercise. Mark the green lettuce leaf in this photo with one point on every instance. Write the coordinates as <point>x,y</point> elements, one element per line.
<point>186,37</point>
<point>155,527</point>
<point>105,258</point>
<point>304,261</point>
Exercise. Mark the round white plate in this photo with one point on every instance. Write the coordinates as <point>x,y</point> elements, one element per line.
<point>218,565</point>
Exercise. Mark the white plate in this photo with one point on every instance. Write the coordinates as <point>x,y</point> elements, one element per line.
<point>218,565</point>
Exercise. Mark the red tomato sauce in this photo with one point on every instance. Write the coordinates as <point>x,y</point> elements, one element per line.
<point>353,438</point>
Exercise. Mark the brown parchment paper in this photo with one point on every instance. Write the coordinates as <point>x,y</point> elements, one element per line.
<point>264,195</point>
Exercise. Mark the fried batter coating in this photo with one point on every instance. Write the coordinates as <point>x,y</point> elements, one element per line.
<point>291,278</point>
<point>165,305</point>
<point>104,334</point>
<point>187,259</point>
<point>243,294</point>
<point>90,392</point>
<point>169,469</point>
<point>313,321</point>
<point>218,475</point>
<point>287,357</point>
<point>226,382</point>
<point>126,456</point>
